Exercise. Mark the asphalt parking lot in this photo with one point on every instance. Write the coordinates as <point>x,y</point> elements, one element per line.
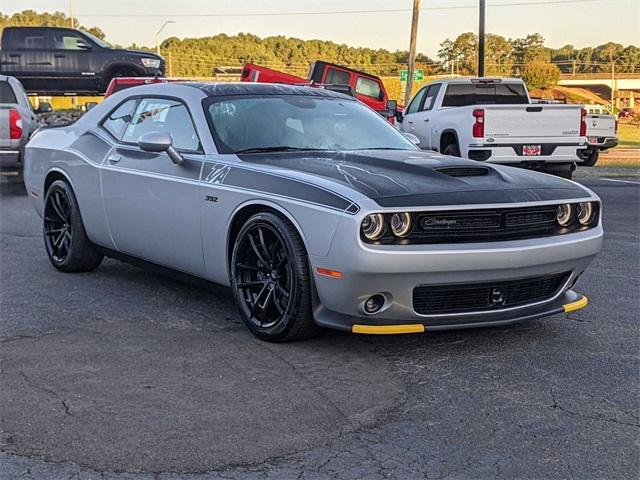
<point>122,373</point>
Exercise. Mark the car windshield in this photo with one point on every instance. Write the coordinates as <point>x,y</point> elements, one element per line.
<point>101,43</point>
<point>260,123</point>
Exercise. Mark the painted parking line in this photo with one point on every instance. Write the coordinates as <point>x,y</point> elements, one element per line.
<point>621,181</point>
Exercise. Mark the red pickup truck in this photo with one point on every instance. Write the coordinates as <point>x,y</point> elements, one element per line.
<point>367,88</point>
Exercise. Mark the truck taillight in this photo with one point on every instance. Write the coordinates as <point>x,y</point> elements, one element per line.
<point>478,126</point>
<point>583,122</point>
<point>15,125</point>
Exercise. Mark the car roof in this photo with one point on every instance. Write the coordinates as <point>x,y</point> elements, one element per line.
<point>252,88</point>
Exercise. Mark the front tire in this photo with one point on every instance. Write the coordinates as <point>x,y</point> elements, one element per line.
<point>270,280</point>
<point>452,150</point>
<point>65,239</point>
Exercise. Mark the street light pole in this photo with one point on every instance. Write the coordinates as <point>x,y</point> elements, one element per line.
<point>481,40</point>
<point>412,50</point>
<point>158,35</point>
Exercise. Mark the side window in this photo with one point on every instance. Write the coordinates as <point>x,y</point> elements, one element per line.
<point>163,115</point>
<point>63,40</point>
<point>368,87</point>
<point>337,77</point>
<point>28,39</point>
<point>430,97</point>
<point>117,121</point>
<point>6,93</point>
<point>414,106</point>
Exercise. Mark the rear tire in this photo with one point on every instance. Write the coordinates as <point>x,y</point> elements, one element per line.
<point>270,280</point>
<point>452,150</point>
<point>65,239</point>
<point>591,160</point>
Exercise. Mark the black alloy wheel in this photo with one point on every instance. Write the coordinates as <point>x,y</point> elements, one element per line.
<point>65,239</point>
<point>270,279</point>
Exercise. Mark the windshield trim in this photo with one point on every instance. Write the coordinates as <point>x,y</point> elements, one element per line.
<point>222,148</point>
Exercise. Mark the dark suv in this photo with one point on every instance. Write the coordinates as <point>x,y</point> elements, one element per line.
<point>51,60</point>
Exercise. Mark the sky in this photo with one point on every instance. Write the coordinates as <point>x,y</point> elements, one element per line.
<point>578,22</point>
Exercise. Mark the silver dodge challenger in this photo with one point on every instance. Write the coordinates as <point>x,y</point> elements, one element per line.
<point>312,208</point>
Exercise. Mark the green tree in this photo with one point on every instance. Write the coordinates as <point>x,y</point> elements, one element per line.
<point>539,74</point>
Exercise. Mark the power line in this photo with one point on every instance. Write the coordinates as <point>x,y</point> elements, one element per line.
<point>333,12</point>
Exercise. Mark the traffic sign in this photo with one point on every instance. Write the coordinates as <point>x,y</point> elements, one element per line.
<point>417,75</point>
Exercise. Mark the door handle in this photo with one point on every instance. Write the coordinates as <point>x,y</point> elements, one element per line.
<point>409,121</point>
<point>114,158</point>
<point>426,119</point>
<point>14,55</point>
<point>59,55</point>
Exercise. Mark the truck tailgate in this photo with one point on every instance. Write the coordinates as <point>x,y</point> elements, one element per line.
<point>4,127</point>
<point>506,123</point>
<point>601,126</point>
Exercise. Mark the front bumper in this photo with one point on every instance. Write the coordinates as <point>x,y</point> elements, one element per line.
<point>394,271</point>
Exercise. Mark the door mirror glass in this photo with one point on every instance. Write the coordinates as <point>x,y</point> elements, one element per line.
<point>44,107</point>
<point>412,138</point>
<point>158,142</point>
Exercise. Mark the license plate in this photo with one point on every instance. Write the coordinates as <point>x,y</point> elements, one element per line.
<point>593,139</point>
<point>531,150</point>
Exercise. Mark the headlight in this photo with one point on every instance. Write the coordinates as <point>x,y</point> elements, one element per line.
<point>373,226</point>
<point>585,213</point>
<point>401,224</point>
<point>564,214</point>
<point>151,62</point>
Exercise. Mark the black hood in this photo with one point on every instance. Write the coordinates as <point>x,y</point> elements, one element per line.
<point>397,178</point>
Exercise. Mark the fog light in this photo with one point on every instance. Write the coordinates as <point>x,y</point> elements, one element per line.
<point>374,304</point>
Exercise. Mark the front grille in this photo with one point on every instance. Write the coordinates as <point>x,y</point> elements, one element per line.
<point>464,171</point>
<point>431,300</point>
<point>484,225</point>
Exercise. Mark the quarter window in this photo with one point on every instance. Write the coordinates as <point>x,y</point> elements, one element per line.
<point>27,39</point>
<point>163,115</point>
<point>337,77</point>
<point>368,87</point>
<point>117,121</point>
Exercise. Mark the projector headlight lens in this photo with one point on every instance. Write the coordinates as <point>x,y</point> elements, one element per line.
<point>373,226</point>
<point>564,214</point>
<point>585,213</point>
<point>401,224</point>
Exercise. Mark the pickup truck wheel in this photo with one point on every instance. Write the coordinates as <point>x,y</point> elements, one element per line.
<point>591,160</point>
<point>65,239</point>
<point>452,150</point>
<point>270,280</point>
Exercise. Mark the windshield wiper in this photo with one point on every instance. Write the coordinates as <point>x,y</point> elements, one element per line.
<point>282,148</point>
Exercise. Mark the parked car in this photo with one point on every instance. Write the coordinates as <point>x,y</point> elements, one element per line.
<point>17,122</point>
<point>365,87</point>
<point>626,113</point>
<point>54,60</point>
<point>314,209</point>
<point>601,133</point>
<point>493,120</point>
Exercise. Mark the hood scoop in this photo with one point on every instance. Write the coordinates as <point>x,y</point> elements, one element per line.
<point>463,171</point>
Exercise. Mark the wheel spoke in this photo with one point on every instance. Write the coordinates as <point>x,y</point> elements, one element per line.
<point>256,251</point>
<point>263,244</point>
<point>58,241</point>
<point>283,291</point>
<point>256,304</point>
<point>243,266</point>
<point>53,231</point>
<point>251,283</point>
<point>57,206</point>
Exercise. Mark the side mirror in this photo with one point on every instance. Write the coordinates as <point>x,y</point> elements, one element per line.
<point>83,45</point>
<point>158,142</point>
<point>412,138</point>
<point>44,107</point>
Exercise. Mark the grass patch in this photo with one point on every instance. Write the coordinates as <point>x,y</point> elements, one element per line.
<point>629,135</point>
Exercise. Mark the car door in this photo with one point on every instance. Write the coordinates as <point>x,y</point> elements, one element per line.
<point>153,206</point>
<point>72,59</point>
<point>411,115</point>
<point>419,119</point>
<point>31,58</point>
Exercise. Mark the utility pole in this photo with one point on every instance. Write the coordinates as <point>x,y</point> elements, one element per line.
<point>158,35</point>
<point>412,50</point>
<point>481,40</point>
<point>613,83</point>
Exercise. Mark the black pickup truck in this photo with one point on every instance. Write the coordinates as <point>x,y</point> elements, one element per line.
<point>54,60</point>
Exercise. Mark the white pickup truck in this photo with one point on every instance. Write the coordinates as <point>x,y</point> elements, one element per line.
<point>602,133</point>
<point>493,120</point>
